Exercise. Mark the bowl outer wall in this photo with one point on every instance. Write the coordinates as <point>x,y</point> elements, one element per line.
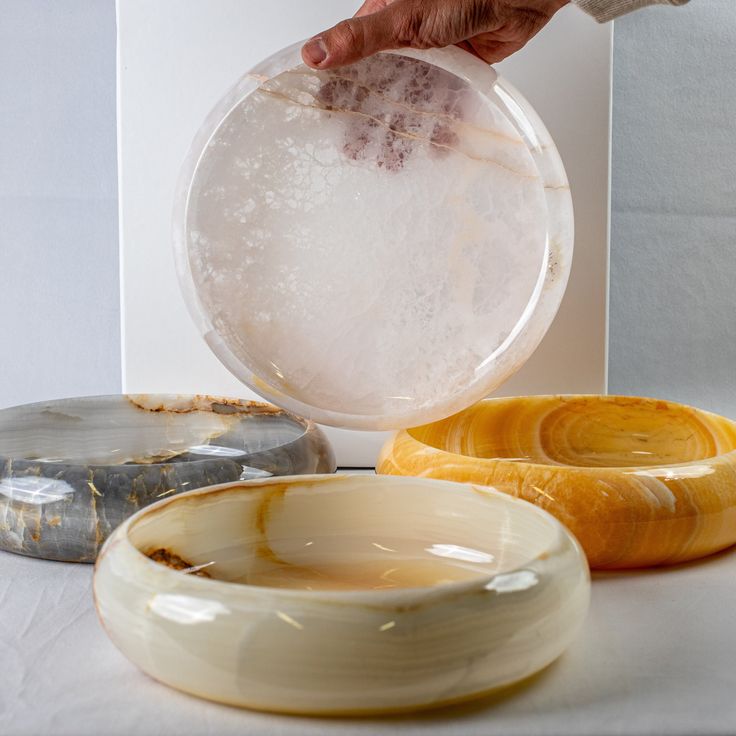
<point>245,649</point>
<point>623,517</point>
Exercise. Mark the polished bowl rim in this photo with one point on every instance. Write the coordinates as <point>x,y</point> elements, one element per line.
<point>612,398</point>
<point>275,63</point>
<point>563,541</point>
<point>625,516</point>
<point>308,426</point>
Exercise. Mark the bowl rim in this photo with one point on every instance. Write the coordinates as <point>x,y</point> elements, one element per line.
<point>589,469</point>
<point>563,542</point>
<point>484,78</point>
<point>250,407</point>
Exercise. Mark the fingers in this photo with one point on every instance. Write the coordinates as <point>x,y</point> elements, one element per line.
<point>352,40</point>
<point>391,24</point>
<point>490,30</point>
<point>493,51</point>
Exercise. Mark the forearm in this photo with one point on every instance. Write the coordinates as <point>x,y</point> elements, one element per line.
<point>605,10</point>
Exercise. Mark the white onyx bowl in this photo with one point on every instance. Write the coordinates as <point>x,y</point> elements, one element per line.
<point>502,588</point>
<point>377,246</point>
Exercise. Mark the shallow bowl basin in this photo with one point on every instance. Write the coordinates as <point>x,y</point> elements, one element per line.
<point>374,246</point>
<point>72,470</point>
<point>341,594</point>
<point>639,481</point>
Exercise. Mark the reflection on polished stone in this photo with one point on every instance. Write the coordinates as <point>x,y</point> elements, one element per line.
<point>639,481</point>
<point>375,246</point>
<point>342,594</point>
<point>72,470</point>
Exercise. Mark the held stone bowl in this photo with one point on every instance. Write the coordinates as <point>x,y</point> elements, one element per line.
<point>375,246</point>
<point>342,594</point>
<point>639,482</point>
<point>72,470</point>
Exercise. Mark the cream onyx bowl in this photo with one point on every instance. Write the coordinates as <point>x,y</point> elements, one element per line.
<point>341,595</point>
<point>639,482</point>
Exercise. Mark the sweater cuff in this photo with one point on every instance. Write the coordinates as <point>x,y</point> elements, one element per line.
<point>605,10</point>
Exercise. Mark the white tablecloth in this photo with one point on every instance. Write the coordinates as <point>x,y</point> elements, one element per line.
<point>657,656</point>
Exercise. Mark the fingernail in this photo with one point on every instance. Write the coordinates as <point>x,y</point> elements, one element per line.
<point>315,50</point>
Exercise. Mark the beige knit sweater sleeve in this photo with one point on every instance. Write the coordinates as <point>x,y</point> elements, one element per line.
<point>605,10</point>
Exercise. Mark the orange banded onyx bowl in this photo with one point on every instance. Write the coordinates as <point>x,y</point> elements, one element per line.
<point>640,482</point>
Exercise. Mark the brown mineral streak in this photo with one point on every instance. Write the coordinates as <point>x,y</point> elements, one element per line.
<point>93,487</point>
<point>278,491</point>
<point>271,491</point>
<point>402,134</point>
<point>93,507</point>
<point>204,402</point>
<point>414,111</point>
<point>36,532</point>
<point>170,559</point>
<point>263,513</point>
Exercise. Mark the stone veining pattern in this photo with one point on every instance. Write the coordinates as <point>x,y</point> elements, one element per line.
<point>72,470</point>
<point>380,242</point>
<point>214,627</point>
<point>638,481</point>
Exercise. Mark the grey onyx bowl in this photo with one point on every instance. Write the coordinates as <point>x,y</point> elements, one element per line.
<point>72,470</point>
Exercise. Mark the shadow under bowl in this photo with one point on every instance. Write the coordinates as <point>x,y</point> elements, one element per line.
<point>341,595</point>
<point>71,470</point>
<point>640,482</point>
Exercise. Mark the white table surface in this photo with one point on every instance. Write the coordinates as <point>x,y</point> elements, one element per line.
<point>657,655</point>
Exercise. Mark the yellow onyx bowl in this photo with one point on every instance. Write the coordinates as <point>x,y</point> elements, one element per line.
<point>639,482</point>
<point>336,595</point>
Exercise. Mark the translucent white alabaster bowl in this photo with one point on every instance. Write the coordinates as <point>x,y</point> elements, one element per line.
<point>501,589</point>
<point>376,246</point>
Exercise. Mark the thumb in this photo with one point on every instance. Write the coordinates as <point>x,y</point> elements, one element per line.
<point>357,38</point>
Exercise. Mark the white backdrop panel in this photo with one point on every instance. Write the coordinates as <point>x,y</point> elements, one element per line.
<point>176,58</point>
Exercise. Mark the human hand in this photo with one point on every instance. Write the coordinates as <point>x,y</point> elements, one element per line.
<point>490,29</point>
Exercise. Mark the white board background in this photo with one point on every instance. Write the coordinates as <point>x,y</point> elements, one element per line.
<point>176,58</point>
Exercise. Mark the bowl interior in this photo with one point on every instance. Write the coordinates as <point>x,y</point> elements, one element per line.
<point>153,428</point>
<point>584,431</point>
<point>356,324</point>
<point>344,533</point>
